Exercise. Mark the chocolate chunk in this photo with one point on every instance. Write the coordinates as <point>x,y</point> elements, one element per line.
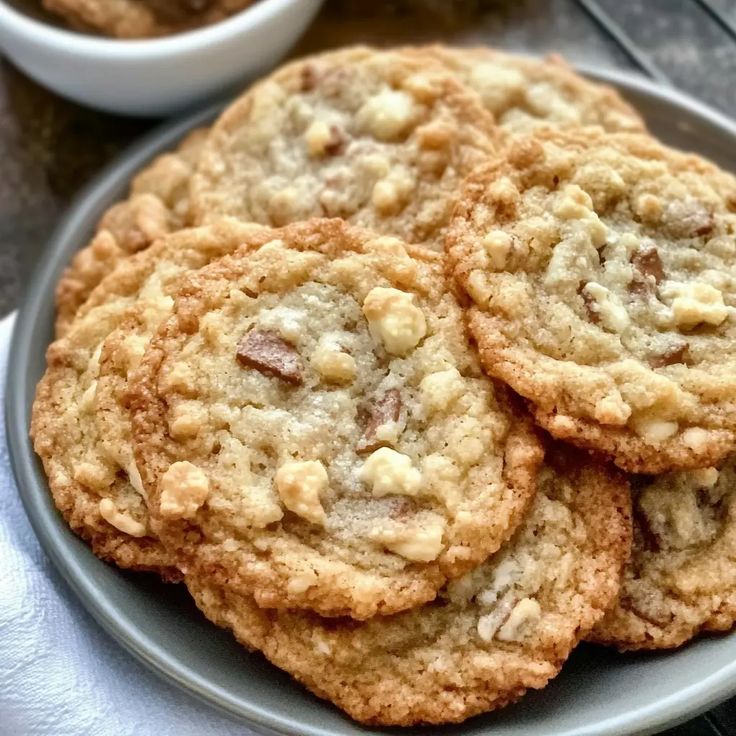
<point>674,354</point>
<point>643,529</point>
<point>641,286</point>
<point>688,218</point>
<point>269,353</point>
<point>336,144</point>
<point>384,410</point>
<point>647,262</point>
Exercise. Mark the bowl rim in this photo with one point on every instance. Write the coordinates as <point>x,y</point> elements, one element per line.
<point>68,42</point>
<point>681,705</point>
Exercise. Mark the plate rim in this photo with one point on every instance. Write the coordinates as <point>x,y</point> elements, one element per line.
<point>686,703</point>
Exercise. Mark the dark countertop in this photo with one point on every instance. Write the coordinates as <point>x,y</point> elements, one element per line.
<point>51,147</point>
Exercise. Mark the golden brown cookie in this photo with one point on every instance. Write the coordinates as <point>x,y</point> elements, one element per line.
<point>158,204</point>
<point>502,629</point>
<point>142,18</point>
<point>380,138</point>
<point>681,579</point>
<point>312,426</point>
<point>603,286</point>
<point>525,94</point>
<point>80,424</point>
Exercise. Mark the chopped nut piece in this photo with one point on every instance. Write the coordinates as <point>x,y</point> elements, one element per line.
<point>525,615</point>
<point>648,263</point>
<point>269,353</point>
<point>120,521</point>
<point>184,488</point>
<point>299,484</point>
<point>385,410</point>
<point>394,320</point>
<point>490,623</point>
<point>388,471</point>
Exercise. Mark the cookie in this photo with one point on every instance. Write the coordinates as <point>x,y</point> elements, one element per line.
<point>681,579</point>
<point>311,426</point>
<point>142,18</point>
<point>506,627</point>
<point>80,424</point>
<point>525,94</point>
<point>601,273</point>
<point>382,139</point>
<point>158,203</point>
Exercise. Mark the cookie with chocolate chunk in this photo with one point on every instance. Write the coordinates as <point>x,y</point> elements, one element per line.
<point>525,94</point>
<point>681,579</point>
<point>142,18</point>
<point>158,203</point>
<point>81,427</point>
<point>382,139</point>
<point>601,270</point>
<point>312,427</point>
<point>504,628</point>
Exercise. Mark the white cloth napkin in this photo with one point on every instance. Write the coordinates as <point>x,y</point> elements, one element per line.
<point>60,673</point>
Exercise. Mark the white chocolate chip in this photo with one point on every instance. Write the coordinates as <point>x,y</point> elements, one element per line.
<point>654,430</point>
<point>478,288</point>
<point>302,582</point>
<point>122,522</point>
<point>334,365</point>
<point>300,484</point>
<point>183,424</point>
<point>524,616</point>
<point>440,390</point>
<point>693,304</point>
<point>497,85</point>
<point>441,477</point>
<point>573,203</point>
<point>695,438</point>
<point>611,313</point>
<point>497,244</point>
<point>388,471</point>
<point>418,545</point>
<point>184,488</point>
<point>386,115</point>
<point>289,323</point>
<point>394,320</point>
<point>705,477</point>
<point>135,479</point>
<point>385,196</point>
<point>318,136</point>
<point>612,409</point>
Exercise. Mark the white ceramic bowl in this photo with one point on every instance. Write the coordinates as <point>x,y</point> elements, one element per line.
<point>154,76</point>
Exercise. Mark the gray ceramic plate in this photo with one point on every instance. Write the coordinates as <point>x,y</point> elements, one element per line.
<point>599,693</point>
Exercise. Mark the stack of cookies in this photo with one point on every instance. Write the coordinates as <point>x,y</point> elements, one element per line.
<point>378,364</point>
<point>141,18</point>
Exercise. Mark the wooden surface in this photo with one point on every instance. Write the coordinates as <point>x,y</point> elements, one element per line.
<point>50,147</point>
